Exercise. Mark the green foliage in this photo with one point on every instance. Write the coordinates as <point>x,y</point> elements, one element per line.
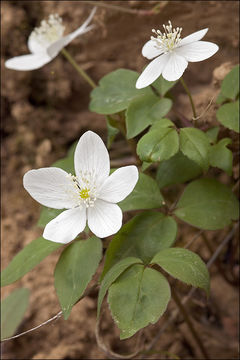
<point>142,237</point>
<point>47,214</point>
<point>230,84</point>
<point>228,115</point>
<point>163,86</point>
<point>220,156</point>
<point>143,111</point>
<point>154,146</point>
<point>112,275</point>
<point>221,98</point>
<point>138,297</point>
<point>13,308</point>
<point>195,145</point>
<point>161,123</point>
<point>75,268</point>
<point>115,92</point>
<point>145,195</point>
<point>184,265</point>
<point>27,259</point>
<point>177,170</point>
<point>65,164</point>
<point>112,131</point>
<point>207,204</point>
<point>212,134</point>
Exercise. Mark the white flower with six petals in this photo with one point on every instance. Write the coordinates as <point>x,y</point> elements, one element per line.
<point>173,54</point>
<point>90,196</point>
<point>45,43</point>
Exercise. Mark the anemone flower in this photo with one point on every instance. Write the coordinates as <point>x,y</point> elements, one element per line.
<point>172,54</point>
<point>90,196</point>
<point>45,42</point>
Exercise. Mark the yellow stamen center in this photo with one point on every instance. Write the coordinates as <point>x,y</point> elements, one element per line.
<point>84,193</point>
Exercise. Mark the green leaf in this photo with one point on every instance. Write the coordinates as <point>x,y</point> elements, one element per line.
<point>71,150</point>
<point>138,297</point>
<point>161,123</point>
<point>184,265</point>
<point>162,85</point>
<point>13,308</point>
<point>115,92</point>
<point>158,145</point>
<point>138,114</point>
<point>142,237</point>
<point>221,157</point>
<point>74,270</point>
<point>27,259</point>
<point>112,275</point>
<point>220,99</point>
<point>177,170</point>
<point>230,84</point>
<point>65,164</point>
<point>47,214</point>
<point>195,145</point>
<point>145,195</point>
<point>228,115</point>
<point>145,166</point>
<point>112,131</point>
<point>143,111</point>
<point>207,204</point>
<point>212,134</point>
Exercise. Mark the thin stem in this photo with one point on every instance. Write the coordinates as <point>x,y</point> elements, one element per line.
<point>190,98</point>
<point>189,323</point>
<point>55,317</point>
<point>152,11</point>
<point>218,263</point>
<point>175,313</point>
<point>77,67</point>
<point>110,6</point>
<point>109,352</point>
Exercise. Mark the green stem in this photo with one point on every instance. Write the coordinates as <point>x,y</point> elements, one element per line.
<point>120,124</point>
<point>77,67</point>
<point>190,97</point>
<point>189,323</point>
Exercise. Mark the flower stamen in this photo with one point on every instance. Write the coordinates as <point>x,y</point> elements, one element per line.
<point>167,40</point>
<point>86,193</point>
<point>49,30</point>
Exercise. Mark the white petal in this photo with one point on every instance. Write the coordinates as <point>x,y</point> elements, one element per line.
<point>58,45</point>
<point>175,67</point>
<point>198,35</point>
<point>28,62</point>
<point>197,51</point>
<point>119,184</point>
<point>152,71</point>
<point>104,219</point>
<point>51,187</point>
<point>34,46</point>
<point>66,226</point>
<point>150,51</point>
<point>91,156</point>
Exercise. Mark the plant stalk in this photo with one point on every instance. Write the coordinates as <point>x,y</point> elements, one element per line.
<point>190,98</point>
<point>189,323</point>
<point>83,74</point>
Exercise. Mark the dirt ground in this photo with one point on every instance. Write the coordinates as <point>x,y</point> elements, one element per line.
<point>46,110</point>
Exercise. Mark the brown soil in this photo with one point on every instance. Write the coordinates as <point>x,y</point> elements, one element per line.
<point>46,110</point>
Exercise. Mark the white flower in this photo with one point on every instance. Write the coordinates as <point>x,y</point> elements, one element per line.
<point>90,196</point>
<point>45,42</point>
<point>173,54</point>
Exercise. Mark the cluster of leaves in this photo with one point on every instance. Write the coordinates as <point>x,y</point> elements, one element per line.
<point>138,294</point>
